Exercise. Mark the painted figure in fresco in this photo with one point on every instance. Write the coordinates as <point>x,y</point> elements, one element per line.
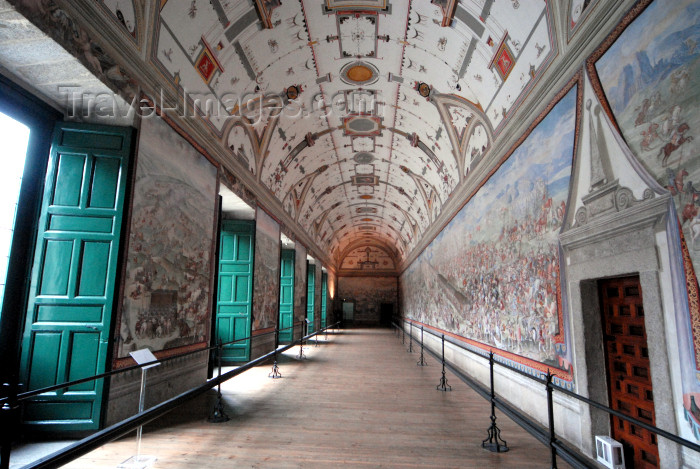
<point>678,138</point>
<point>642,112</point>
<point>695,232</point>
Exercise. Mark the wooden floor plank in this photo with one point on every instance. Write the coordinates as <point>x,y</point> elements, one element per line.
<point>358,401</point>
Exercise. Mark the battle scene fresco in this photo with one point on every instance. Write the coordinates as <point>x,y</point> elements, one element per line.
<point>492,274</point>
<point>266,280</point>
<point>168,272</point>
<point>649,76</point>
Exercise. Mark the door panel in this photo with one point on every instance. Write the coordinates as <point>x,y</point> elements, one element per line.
<point>310,297</point>
<point>69,313</point>
<point>235,290</point>
<point>629,375</point>
<point>324,294</point>
<point>286,318</point>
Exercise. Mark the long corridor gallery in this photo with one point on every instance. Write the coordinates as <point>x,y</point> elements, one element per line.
<point>350,233</point>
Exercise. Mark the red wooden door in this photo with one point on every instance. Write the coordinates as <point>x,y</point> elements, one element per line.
<point>629,375</point>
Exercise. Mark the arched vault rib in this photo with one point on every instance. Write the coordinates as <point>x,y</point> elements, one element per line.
<point>460,140</point>
<point>256,108</point>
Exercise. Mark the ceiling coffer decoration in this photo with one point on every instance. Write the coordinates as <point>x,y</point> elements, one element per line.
<point>355,110</point>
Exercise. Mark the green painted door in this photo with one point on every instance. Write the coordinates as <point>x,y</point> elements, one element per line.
<point>69,312</point>
<point>286,295</point>
<point>324,294</point>
<point>233,305</point>
<point>310,296</point>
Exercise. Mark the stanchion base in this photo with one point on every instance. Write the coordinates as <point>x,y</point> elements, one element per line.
<point>275,373</point>
<point>443,386</point>
<point>492,442</point>
<point>421,361</point>
<point>301,355</point>
<point>495,447</point>
<point>219,415</point>
<point>138,462</point>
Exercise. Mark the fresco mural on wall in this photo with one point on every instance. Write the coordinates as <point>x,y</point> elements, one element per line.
<point>167,282</point>
<point>368,294</point>
<point>299,283</point>
<point>649,75</point>
<point>266,272</point>
<point>492,274</point>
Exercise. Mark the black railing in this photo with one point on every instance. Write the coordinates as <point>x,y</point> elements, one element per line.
<point>113,432</point>
<point>546,435</point>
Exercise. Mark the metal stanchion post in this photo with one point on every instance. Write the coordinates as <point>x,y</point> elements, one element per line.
<point>443,386</point>
<point>403,333</point>
<point>301,341</point>
<point>550,413</point>
<point>275,373</point>
<point>7,423</point>
<point>218,415</point>
<point>410,338</point>
<point>492,441</point>
<point>421,361</point>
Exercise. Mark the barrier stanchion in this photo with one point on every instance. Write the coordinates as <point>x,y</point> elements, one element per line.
<point>491,442</point>
<point>275,373</point>
<point>301,340</point>
<point>8,419</point>
<point>421,361</point>
<point>443,386</point>
<point>550,414</point>
<point>410,338</point>
<point>218,415</point>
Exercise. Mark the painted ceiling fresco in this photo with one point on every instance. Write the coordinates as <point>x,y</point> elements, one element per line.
<point>363,116</point>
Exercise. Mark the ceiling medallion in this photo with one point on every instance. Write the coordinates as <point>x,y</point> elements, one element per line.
<point>359,73</point>
<point>423,89</point>
<point>293,92</point>
<point>366,197</point>
<point>356,125</point>
<point>363,157</point>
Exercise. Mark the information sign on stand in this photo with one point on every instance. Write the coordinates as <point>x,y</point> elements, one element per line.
<point>141,357</point>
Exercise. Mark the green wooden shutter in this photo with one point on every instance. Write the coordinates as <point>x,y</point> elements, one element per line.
<point>235,291</point>
<point>69,312</point>
<point>311,296</point>
<point>286,295</point>
<point>324,294</point>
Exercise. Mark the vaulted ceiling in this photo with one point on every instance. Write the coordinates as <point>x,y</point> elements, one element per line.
<point>361,117</point>
<point>384,108</point>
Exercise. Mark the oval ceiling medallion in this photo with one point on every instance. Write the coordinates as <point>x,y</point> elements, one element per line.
<point>366,197</point>
<point>359,73</point>
<point>363,157</point>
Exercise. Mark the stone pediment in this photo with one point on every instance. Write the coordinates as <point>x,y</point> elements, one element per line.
<point>611,191</point>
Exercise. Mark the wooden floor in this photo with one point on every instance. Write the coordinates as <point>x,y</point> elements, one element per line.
<point>358,401</point>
